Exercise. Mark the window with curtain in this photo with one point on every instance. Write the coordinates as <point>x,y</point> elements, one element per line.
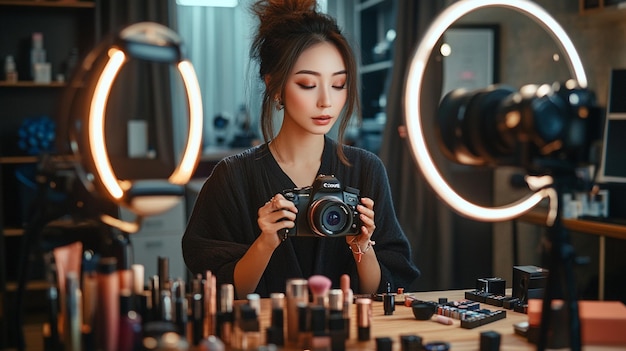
<point>217,41</point>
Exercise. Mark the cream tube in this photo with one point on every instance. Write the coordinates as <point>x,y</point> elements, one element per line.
<point>109,305</point>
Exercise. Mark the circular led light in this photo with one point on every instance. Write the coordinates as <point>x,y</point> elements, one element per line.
<point>412,103</point>
<point>86,110</point>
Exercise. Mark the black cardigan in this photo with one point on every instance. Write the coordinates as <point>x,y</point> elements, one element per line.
<point>224,221</point>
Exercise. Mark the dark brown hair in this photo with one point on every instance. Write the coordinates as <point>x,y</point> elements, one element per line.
<point>286,29</point>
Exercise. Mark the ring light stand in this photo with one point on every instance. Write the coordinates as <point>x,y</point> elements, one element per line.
<point>561,252</point>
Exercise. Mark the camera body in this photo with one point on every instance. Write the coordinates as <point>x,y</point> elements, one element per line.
<point>325,209</point>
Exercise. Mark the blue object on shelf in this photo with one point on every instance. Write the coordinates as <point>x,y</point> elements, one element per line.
<point>36,135</point>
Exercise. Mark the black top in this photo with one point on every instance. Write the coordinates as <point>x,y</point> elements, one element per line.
<point>224,222</point>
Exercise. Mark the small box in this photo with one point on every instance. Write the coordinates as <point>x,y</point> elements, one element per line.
<point>601,322</point>
<point>494,286</point>
<point>529,282</point>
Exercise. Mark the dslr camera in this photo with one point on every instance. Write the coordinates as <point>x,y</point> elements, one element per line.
<point>325,209</point>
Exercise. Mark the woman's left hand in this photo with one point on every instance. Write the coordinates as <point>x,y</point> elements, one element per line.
<point>366,215</point>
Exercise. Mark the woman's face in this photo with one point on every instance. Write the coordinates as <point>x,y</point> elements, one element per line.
<point>315,91</point>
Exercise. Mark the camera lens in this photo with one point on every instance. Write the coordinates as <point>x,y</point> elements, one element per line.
<point>329,216</point>
<point>471,130</point>
<point>332,218</point>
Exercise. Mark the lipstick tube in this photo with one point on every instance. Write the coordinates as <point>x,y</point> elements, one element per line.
<point>210,304</point>
<point>348,296</point>
<point>138,278</point>
<point>363,317</point>
<point>180,306</point>
<point>155,298</point>
<point>336,324</point>
<point>73,306</point>
<point>335,302</point>
<point>297,293</point>
<point>225,316</point>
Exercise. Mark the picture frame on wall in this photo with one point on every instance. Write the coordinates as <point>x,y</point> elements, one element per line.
<point>470,57</point>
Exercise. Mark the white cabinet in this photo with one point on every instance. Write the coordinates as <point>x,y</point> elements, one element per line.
<point>160,236</point>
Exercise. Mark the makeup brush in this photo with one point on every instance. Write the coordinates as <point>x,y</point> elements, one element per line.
<point>319,286</point>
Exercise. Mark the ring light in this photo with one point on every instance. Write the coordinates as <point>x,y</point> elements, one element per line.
<point>413,118</point>
<point>145,41</point>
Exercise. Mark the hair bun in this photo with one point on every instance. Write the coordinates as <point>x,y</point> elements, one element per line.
<point>266,9</point>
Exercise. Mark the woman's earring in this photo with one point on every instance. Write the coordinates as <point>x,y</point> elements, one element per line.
<point>279,104</point>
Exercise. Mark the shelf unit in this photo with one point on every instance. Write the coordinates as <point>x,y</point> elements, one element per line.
<point>374,21</point>
<point>65,25</point>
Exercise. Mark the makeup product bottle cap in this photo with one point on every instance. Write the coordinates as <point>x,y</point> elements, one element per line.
<point>389,303</point>
<point>422,311</point>
<point>384,344</point>
<point>411,342</point>
<point>254,300</point>
<point>138,278</point>
<point>335,301</point>
<point>278,300</point>
<point>437,346</point>
<point>489,341</point>
<point>227,296</point>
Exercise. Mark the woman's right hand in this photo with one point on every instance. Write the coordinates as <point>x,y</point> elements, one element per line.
<point>278,213</point>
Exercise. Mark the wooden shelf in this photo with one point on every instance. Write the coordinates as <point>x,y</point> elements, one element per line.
<point>578,225</point>
<point>35,159</point>
<point>18,159</point>
<point>13,232</point>
<point>49,3</point>
<point>30,286</point>
<point>31,84</point>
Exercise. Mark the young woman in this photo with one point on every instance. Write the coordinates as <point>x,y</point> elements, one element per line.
<point>238,223</point>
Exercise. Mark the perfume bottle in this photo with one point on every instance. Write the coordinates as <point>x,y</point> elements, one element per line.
<point>9,70</point>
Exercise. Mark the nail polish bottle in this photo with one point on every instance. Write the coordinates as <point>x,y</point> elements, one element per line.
<point>248,331</point>
<point>275,333</point>
<point>130,325</point>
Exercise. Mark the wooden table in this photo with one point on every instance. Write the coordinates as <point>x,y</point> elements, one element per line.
<point>402,322</point>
